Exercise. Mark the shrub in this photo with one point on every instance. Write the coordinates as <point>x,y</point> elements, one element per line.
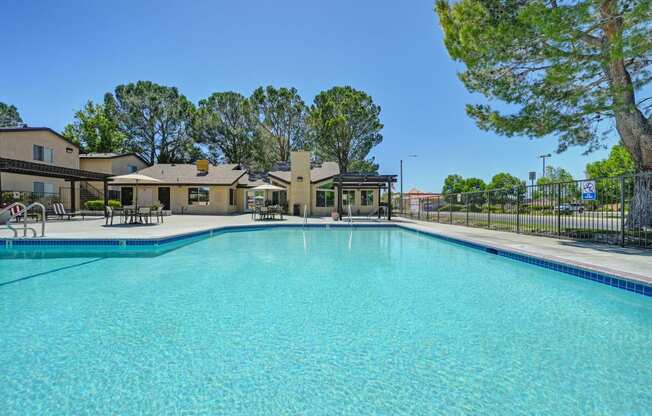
<point>98,204</point>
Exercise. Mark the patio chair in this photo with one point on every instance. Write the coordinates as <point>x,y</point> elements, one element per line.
<point>145,214</point>
<point>159,214</point>
<point>113,212</point>
<point>61,211</point>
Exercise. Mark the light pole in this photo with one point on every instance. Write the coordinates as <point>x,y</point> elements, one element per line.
<point>544,157</point>
<point>401,199</point>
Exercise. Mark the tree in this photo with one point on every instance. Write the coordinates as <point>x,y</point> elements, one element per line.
<point>618,163</point>
<point>226,124</point>
<point>281,115</point>
<point>364,166</point>
<point>474,185</point>
<point>9,116</point>
<point>506,188</point>
<point>504,180</point>
<point>453,184</point>
<point>567,66</point>
<point>95,129</point>
<point>555,175</point>
<point>345,125</point>
<point>155,120</point>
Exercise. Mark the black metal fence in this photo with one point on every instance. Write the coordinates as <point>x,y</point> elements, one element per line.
<point>45,198</point>
<point>612,210</point>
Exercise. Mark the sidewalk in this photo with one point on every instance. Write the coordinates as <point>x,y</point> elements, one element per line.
<point>628,262</point>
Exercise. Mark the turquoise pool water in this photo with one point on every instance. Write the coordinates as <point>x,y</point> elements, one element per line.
<point>318,322</point>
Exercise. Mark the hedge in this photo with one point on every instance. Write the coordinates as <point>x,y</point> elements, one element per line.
<point>98,204</point>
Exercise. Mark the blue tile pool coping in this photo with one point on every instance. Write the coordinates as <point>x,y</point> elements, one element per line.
<point>619,282</point>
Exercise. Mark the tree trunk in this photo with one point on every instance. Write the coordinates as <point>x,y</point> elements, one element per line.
<point>634,129</point>
<point>640,211</point>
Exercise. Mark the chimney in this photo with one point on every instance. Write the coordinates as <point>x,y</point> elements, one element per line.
<point>202,166</point>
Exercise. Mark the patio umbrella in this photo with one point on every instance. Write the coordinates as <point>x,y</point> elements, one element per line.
<point>267,187</point>
<point>136,178</point>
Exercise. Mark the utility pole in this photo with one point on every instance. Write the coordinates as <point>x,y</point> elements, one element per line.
<point>543,158</point>
<point>401,198</point>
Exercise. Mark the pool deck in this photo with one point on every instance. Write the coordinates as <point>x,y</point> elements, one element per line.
<point>630,263</point>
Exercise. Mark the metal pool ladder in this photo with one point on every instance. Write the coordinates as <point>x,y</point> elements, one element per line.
<point>14,213</point>
<point>305,214</point>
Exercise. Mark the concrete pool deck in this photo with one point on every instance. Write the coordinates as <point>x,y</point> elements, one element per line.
<point>630,263</point>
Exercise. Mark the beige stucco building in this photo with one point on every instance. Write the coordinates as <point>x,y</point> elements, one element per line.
<point>306,187</point>
<point>43,146</point>
<point>229,188</point>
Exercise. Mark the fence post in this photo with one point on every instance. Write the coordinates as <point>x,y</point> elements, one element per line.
<point>466,204</point>
<point>450,208</point>
<point>518,211</point>
<point>622,211</point>
<point>438,206</point>
<point>489,210</point>
<point>558,209</point>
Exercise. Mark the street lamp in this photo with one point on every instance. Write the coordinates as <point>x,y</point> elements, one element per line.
<point>401,199</point>
<point>544,157</point>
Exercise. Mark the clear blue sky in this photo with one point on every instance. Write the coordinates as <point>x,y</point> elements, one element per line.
<point>56,55</point>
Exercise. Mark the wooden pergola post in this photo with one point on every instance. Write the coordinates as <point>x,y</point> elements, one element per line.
<point>73,196</point>
<point>339,200</point>
<point>389,200</point>
<point>106,198</point>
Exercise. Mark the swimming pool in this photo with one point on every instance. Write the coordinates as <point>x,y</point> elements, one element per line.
<point>317,321</point>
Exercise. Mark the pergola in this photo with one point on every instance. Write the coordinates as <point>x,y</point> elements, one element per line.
<point>22,167</point>
<point>364,181</point>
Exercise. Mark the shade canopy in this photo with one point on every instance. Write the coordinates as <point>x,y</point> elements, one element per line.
<point>268,187</point>
<point>135,177</point>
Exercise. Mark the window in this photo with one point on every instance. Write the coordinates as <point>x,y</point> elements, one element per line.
<point>38,153</point>
<point>49,155</point>
<point>348,198</point>
<point>39,187</point>
<point>325,199</point>
<point>198,196</point>
<point>367,197</point>
<point>43,154</point>
<point>231,196</point>
<point>132,168</point>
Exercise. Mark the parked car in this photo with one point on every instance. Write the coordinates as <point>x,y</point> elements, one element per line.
<point>570,208</point>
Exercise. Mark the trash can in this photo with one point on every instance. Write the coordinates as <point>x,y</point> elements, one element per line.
<point>296,210</point>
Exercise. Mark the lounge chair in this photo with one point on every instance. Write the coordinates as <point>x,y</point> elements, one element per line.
<point>61,211</point>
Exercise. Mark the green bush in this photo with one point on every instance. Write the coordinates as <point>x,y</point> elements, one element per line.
<point>98,204</point>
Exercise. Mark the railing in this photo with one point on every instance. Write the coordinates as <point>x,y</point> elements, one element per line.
<point>305,214</point>
<point>620,211</point>
<point>23,212</point>
<point>26,198</point>
<point>350,216</point>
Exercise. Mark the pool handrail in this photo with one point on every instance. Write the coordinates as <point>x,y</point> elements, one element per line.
<point>23,211</point>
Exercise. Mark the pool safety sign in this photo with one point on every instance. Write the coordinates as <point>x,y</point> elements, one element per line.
<point>589,192</point>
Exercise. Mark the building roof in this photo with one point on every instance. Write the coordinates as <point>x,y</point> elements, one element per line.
<point>29,129</point>
<point>318,172</point>
<point>418,193</point>
<point>187,174</point>
<point>111,156</point>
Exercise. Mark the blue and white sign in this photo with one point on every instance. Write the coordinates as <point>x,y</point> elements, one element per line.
<point>589,191</point>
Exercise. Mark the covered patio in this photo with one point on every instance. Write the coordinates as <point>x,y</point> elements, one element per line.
<point>68,174</point>
<point>352,181</point>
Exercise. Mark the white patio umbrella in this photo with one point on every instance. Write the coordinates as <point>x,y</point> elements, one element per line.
<point>136,178</point>
<point>267,187</point>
